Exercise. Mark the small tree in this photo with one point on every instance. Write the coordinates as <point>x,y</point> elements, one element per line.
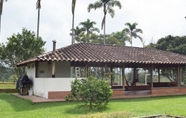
<point>20,47</point>
<point>92,91</point>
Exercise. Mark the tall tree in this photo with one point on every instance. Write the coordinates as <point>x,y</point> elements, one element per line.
<point>20,47</point>
<point>1,11</point>
<point>38,7</point>
<point>88,28</point>
<point>133,31</point>
<point>78,34</point>
<point>107,7</point>
<point>176,44</point>
<point>73,13</point>
<point>121,36</point>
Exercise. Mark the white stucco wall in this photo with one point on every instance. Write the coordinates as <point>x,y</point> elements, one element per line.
<point>44,69</point>
<point>62,69</point>
<point>43,85</point>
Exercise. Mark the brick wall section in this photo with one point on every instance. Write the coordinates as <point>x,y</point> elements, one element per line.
<point>63,94</point>
<point>57,94</point>
<point>118,92</point>
<point>169,91</point>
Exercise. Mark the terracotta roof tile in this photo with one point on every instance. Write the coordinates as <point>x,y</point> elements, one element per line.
<point>86,52</point>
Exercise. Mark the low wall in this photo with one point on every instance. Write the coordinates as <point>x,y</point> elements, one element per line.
<point>117,92</point>
<point>45,86</point>
<point>168,91</point>
<point>134,88</point>
<point>58,94</point>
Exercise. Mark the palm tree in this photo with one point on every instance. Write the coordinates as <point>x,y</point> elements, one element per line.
<point>77,34</point>
<point>88,28</point>
<point>1,11</point>
<point>133,31</point>
<point>73,10</point>
<point>121,36</point>
<point>107,7</point>
<point>38,6</point>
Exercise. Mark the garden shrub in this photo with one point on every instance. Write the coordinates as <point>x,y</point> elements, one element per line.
<point>92,91</point>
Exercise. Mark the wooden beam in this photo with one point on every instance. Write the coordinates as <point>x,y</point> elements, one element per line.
<point>53,69</point>
<point>151,76</point>
<point>123,76</point>
<point>36,69</point>
<point>86,70</point>
<point>134,76</point>
<point>178,75</point>
<point>158,74</point>
<point>49,68</point>
<point>111,76</point>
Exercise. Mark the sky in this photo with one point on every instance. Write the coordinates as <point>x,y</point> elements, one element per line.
<point>157,19</point>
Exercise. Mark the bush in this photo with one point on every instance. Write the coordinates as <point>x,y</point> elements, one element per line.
<point>92,91</point>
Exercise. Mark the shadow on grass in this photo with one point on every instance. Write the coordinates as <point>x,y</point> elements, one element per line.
<point>82,109</point>
<point>21,104</point>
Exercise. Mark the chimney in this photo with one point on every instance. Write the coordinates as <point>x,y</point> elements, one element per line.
<point>54,45</point>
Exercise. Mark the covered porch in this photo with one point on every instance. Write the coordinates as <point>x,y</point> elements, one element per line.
<point>126,69</point>
<point>155,82</point>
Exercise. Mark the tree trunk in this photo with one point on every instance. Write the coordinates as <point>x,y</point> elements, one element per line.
<point>72,29</point>
<point>38,20</point>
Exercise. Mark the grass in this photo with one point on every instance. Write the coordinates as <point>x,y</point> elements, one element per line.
<point>13,107</point>
<point>7,85</point>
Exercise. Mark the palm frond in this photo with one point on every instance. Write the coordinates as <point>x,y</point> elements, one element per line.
<point>114,3</point>
<point>95,29</point>
<point>96,5</point>
<point>111,11</point>
<point>139,31</point>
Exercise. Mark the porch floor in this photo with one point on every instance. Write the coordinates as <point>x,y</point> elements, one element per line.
<point>128,94</point>
<point>36,99</point>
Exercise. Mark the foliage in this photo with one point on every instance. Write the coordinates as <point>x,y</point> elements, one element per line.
<point>107,6</point>
<point>20,47</point>
<point>92,91</point>
<point>176,44</point>
<point>132,31</point>
<point>5,73</point>
<point>121,36</point>
<point>85,32</point>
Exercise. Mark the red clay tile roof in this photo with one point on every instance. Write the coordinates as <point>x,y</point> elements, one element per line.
<point>86,52</point>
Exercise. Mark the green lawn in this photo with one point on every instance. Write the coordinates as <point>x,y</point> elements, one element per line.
<point>7,85</point>
<point>13,107</point>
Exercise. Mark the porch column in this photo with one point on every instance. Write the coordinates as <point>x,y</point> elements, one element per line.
<point>36,69</point>
<point>151,76</point>
<point>86,70</point>
<point>111,70</point>
<point>158,75</point>
<point>134,77</point>
<point>49,68</point>
<point>53,69</point>
<point>123,76</point>
<point>178,75</point>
